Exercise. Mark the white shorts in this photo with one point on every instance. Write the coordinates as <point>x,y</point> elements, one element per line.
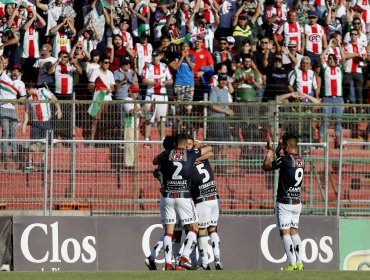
<point>174,210</point>
<point>178,225</point>
<point>287,215</point>
<point>208,212</point>
<point>157,110</point>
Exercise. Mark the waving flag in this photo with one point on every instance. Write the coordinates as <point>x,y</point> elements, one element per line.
<point>25,3</point>
<point>100,91</point>
<point>188,38</point>
<point>101,4</point>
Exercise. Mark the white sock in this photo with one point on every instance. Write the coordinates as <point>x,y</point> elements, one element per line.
<point>297,247</point>
<point>176,247</point>
<point>203,249</point>
<point>215,242</point>
<point>193,257</point>
<point>289,250</point>
<point>190,242</point>
<point>157,248</point>
<point>167,245</point>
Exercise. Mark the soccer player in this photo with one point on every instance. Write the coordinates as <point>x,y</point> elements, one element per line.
<point>177,166</point>
<point>206,199</point>
<point>288,198</point>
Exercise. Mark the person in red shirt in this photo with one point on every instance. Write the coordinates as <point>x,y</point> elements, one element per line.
<point>117,52</point>
<point>203,69</point>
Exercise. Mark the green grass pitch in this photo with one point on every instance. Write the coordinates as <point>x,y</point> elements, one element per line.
<point>191,275</point>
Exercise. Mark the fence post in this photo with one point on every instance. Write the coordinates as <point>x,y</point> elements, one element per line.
<point>51,173</point>
<point>326,172</point>
<point>73,148</point>
<point>340,173</point>
<point>46,157</point>
<point>205,115</point>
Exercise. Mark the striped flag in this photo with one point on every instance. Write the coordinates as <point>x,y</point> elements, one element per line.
<point>25,3</point>
<point>106,3</point>
<point>101,4</point>
<point>100,91</point>
<point>8,87</point>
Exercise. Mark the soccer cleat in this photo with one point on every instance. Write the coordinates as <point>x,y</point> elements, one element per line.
<point>300,267</point>
<point>185,263</point>
<point>150,263</point>
<point>291,267</point>
<point>168,266</point>
<point>218,265</point>
<point>179,267</point>
<point>204,268</point>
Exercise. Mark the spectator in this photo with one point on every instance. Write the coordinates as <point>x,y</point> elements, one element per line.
<point>102,82</point>
<point>292,31</point>
<point>231,42</point>
<point>42,65</point>
<point>184,81</point>
<point>276,15</point>
<point>131,123</point>
<point>335,46</point>
<point>30,33</point>
<point>303,8</point>
<point>38,114</point>
<point>332,78</point>
<point>117,52</point>
<point>10,88</point>
<point>143,53</point>
<point>332,22</point>
<point>183,16</point>
<point>126,36</point>
<point>90,36</point>
<point>292,59</point>
<point>171,31</point>
<point>355,55</point>
<point>362,38</point>
<point>224,56</point>
<point>226,9</point>
<point>160,20</point>
<point>11,48</point>
<point>63,70</point>
<point>57,11</point>
<point>218,126</point>
<point>315,41</point>
<point>156,76</point>
<point>139,14</point>
<point>93,64</point>
<point>62,34</point>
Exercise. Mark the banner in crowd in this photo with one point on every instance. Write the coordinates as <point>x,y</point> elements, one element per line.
<point>25,3</point>
<point>122,243</point>
<point>354,240</point>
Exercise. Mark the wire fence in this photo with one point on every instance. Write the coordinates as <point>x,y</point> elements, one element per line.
<point>112,174</point>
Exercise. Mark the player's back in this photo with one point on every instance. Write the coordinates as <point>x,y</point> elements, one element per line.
<point>203,182</point>
<point>177,167</point>
<point>290,177</point>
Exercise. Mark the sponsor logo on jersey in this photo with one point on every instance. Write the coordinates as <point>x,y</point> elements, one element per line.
<point>299,162</point>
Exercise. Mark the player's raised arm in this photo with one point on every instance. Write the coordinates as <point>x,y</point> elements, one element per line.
<point>269,158</point>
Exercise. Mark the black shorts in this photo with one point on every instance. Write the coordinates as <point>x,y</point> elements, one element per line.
<point>39,129</point>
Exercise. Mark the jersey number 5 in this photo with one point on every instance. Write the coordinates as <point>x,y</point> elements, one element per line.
<point>203,171</point>
<point>298,176</point>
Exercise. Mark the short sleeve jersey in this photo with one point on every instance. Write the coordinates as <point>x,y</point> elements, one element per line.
<point>291,170</point>
<point>177,168</point>
<point>203,182</point>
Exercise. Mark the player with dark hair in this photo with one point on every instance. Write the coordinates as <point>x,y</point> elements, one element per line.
<point>177,166</point>
<point>205,195</point>
<point>288,198</point>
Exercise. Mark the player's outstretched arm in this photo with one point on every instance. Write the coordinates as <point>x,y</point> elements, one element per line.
<point>269,158</point>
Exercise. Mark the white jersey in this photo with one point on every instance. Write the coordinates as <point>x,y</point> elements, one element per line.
<point>280,12</point>
<point>303,81</point>
<point>314,35</point>
<point>63,77</point>
<point>126,38</point>
<point>336,52</point>
<point>61,42</point>
<point>333,77</point>
<point>292,32</point>
<point>361,40</point>
<point>30,43</point>
<point>90,68</point>
<point>355,65</point>
<point>159,73</point>
<point>10,89</point>
<point>143,56</point>
<point>89,45</point>
<point>365,5</point>
<point>40,111</point>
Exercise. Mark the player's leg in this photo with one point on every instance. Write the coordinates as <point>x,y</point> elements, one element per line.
<point>150,260</point>
<point>176,244</point>
<point>297,243</point>
<point>189,217</point>
<point>212,232</point>
<point>168,218</point>
<point>284,222</point>
<point>204,218</point>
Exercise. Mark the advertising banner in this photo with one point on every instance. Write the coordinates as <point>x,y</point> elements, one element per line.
<point>354,240</point>
<point>122,243</point>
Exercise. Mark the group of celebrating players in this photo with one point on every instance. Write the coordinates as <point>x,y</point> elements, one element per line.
<point>190,201</point>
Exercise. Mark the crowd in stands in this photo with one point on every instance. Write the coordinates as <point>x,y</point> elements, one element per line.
<point>235,51</point>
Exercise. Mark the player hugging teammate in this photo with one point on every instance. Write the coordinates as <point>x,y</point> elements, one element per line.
<point>186,179</point>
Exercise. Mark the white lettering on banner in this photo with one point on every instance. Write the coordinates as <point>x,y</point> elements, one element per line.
<point>145,243</point>
<point>325,255</point>
<point>87,252</point>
